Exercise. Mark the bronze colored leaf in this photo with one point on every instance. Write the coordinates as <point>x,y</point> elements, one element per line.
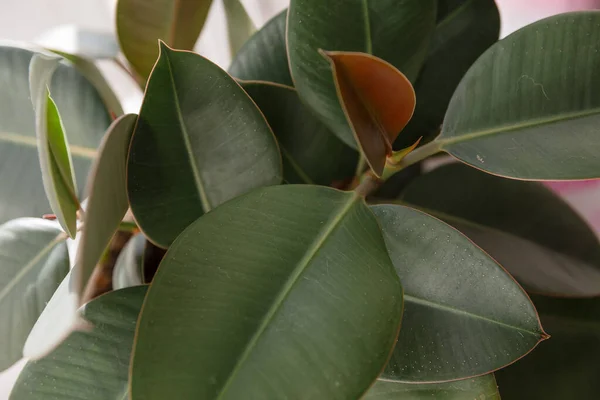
<point>378,101</point>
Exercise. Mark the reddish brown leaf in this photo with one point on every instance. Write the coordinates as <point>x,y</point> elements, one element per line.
<point>378,101</point>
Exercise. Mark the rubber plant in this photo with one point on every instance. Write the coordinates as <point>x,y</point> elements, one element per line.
<point>282,231</point>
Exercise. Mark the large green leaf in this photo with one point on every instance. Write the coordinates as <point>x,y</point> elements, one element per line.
<point>129,267</point>
<point>88,365</point>
<point>264,57</point>
<point>533,233</point>
<point>199,141</point>
<point>33,262</point>
<point>480,388</point>
<point>53,150</point>
<point>286,292</point>
<point>566,366</point>
<point>84,116</point>
<point>397,31</point>
<point>239,25</point>
<point>310,152</point>
<point>476,22</point>
<point>106,199</point>
<point>141,23</point>
<point>464,315</point>
<point>529,108</point>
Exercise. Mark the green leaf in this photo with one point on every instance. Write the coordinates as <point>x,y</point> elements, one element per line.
<point>483,387</point>
<point>264,57</point>
<point>311,153</point>
<point>463,314</point>
<point>239,25</point>
<point>107,200</point>
<point>141,23</point>
<point>397,31</point>
<point>476,22</point>
<point>566,366</point>
<point>286,292</point>
<point>529,108</point>
<point>129,267</point>
<point>89,69</point>
<point>34,260</point>
<point>88,365</point>
<point>199,141</point>
<point>53,149</point>
<point>85,120</point>
<point>533,233</point>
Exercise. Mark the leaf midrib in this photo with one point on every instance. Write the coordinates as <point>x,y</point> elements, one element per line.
<point>31,141</point>
<point>188,146</point>
<point>294,276</point>
<point>428,303</point>
<point>32,263</point>
<point>531,123</point>
<point>368,40</point>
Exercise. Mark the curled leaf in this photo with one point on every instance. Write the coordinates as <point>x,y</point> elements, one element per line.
<point>378,101</point>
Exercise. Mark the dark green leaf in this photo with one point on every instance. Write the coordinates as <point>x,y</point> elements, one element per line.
<point>199,141</point>
<point>529,108</point>
<point>528,229</point>
<point>464,315</point>
<point>34,260</point>
<point>91,365</point>
<point>106,199</point>
<point>480,388</point>
<point>264,57</point>
<point>53,149</point>
<point>130,263</point>
<point>465,29</point>
<point>84,116</point>
<point>239,25</point>
<point>286,292</point>
<point>565,366</point>
<point>141,23</point>
<point>310,152</point>
<point>398,31</point>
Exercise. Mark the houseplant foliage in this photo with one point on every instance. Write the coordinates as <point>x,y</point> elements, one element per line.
<point>229,242</point>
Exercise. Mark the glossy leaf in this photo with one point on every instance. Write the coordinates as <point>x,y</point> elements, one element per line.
<point>286,292</point>
<point>53,149</point>
<point>377,99</point>
<point>199,141</point>
<point>483,387</point>
<point>533,233</point>
<point>141,23</point>
<point>129,268</point>
<point>34,260</point>
<point>514,116</point>
<point>310,152</point>
<point>107,200</point>
<point>88,365</point>
<point>85,120</point>
<point>463,314</point>
<point>464,30</point>
<point>264,57</point>
<point>239,25</point>
<point>566,366</point>
<point>397,31</point>
<point>56,322</point>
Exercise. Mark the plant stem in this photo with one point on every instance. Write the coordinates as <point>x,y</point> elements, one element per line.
<point>411,158</point>
<point>360,167</point>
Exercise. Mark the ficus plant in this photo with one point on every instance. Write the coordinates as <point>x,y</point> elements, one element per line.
<point>284,229</point>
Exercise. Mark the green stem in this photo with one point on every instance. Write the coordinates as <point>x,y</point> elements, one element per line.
<point>411,158</point>
<point>360,167</point>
